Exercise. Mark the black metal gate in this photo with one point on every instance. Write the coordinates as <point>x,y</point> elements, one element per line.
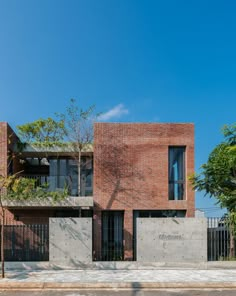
<point>26,242</point>
<point>112,235</point>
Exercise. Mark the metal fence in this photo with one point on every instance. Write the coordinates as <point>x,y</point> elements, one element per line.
<point>26,242</point>
<point>218,240</point>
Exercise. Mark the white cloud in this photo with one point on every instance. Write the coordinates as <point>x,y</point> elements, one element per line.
<point>115,112</point>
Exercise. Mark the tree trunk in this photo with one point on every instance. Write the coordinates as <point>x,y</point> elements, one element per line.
<point>232,244</point>
<point>2,242</point>
<point>79,179</point>
<point>79,174</point>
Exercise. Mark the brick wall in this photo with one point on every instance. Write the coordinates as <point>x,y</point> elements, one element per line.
<point>14,157</point>
<point>3,148</point>
<point>28,216</point>
<point>131,171</point>
<point>7,141</point>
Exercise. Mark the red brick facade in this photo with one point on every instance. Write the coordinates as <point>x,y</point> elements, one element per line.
<point>8,161</point>
<point>131,171</point>
<point>3,148</point>
<point>7,141</point>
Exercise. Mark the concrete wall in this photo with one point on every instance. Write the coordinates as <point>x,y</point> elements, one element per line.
<point>70,201</point>
<point>171,239</point>
<point>70,240</point>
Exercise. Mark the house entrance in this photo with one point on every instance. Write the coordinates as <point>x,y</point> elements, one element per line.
<point>112,235</point>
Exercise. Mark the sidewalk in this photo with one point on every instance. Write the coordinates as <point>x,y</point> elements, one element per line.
<point>123,279</point>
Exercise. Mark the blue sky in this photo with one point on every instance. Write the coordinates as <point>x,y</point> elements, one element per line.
<point>154,61</point>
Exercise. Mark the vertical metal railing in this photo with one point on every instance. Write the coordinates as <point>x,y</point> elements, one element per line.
<point>26,242</point>
<point>218,239</point>
<point>112,248</point>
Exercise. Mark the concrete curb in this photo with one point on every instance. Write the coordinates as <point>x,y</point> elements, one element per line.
<point>119,285</point>
<point>116,265</point>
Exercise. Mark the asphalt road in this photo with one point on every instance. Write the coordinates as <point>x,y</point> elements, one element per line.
<point>115,292</point>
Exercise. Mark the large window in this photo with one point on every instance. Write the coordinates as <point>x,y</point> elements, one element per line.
<point>176,173</point>
<point>64,173</point>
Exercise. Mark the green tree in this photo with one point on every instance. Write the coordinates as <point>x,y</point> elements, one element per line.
<point>218,178</point>
<point>71,131</point>
<point>78,132</point>
<point>43,133</point>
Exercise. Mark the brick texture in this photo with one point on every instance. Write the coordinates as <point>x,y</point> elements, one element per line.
<point>7,156</point>
<point>3,148</point>
<point>131,171</point>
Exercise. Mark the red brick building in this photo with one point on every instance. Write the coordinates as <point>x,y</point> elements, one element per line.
<point>134,170</point>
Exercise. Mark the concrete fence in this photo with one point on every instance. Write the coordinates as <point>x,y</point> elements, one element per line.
<point>171,240</point>
<point>70,241</point>
<point>159,241</point>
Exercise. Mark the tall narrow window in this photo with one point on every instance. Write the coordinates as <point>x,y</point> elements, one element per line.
<point>176,173</point>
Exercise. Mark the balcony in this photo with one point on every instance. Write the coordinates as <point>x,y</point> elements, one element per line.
<point>58,183</point>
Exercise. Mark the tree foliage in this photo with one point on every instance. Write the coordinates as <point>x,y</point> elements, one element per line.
<point>17,188</point>
<point>71,130</point>
<point>74,127</point>
<point>78,132</point>
<point>218,176</point>
<point>229,132</point>
<point>42,132</point>
<point>78,125</point>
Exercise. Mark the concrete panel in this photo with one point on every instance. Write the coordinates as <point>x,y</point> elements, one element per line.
<point>171,239</point>
<point>70,201</point>
<point>70,240</point>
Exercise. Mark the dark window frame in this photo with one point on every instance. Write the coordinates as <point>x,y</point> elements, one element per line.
<point>171,193</point>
